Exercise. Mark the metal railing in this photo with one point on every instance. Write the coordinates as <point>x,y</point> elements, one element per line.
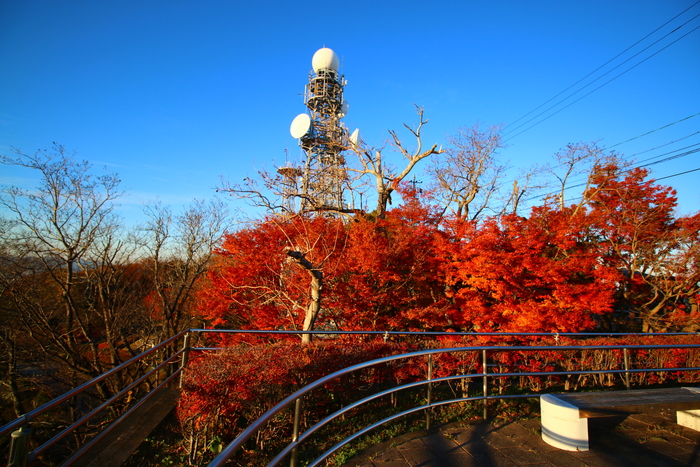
<point>486,351</point>
<point>21,427</point>
<point>20,455</point>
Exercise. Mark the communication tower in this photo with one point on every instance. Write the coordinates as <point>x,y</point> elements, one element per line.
<point>322,136</point>
<point>290,177</point>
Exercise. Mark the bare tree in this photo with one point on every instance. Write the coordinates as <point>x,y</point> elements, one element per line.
<point>56,228</point>
<point>9,347</point>
<point>275,193</point>
<point>387,179</point>
<point>114,292</point>
<point>579,160</point>
<point>467,176</point>
<point>179,248</point>
<point>269,191</point>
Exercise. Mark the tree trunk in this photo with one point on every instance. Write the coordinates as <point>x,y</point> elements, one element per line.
<point>314,306</point>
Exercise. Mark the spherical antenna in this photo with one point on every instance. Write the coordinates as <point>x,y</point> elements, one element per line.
<point>325,59</point>
<point>301,125</point>
<point>344,107</point>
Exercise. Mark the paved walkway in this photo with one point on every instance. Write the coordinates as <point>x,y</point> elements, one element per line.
<point>636,441</point>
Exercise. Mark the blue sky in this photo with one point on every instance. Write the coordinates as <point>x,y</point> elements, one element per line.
<point>175,94</point>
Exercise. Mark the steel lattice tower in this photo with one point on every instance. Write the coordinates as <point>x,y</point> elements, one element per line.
<point>322,135</point>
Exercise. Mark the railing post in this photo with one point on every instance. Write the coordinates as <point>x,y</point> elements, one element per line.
<point>486,383</point>
<point>19,447</point>
<point>295,433</point>
<point>627,368</point>
<point>185,357</point>
<point>428,412</point>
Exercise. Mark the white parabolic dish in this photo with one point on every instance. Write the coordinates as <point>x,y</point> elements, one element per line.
<point>324,59</point>
<point>300,125</point>
<point>344,107</point>
<point>355,137</point>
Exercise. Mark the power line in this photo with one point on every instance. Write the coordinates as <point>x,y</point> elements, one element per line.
<point>603,65</point>
<point>653,131</point>
<point>667,158</point>
<point>687,153</point>
<point>581,197</point>
<point>663,145</point>
<point>602,85</point>
<point>680,173</point>
<point>575,198</point>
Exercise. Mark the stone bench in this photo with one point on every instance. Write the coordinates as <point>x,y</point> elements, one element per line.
<point>565,416</point>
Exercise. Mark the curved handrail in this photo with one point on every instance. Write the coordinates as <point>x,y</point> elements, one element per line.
<point>317,332</point>
<point>27,417</point>
<point>82,420</point>
<point>238,442</point>
<point>24,420</point>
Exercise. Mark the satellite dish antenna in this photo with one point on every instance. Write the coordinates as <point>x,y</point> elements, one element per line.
<point>301,125</point>
<point>344,107</point>
<point>355,137</point>
<point>325,59</point>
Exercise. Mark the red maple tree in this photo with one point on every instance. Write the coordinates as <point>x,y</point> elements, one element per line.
<point>634,224</point>
<point>519,274</point>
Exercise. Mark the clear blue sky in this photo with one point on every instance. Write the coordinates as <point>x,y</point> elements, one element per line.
<point>174,94</point>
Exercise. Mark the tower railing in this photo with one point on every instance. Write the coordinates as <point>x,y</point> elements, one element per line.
<point>169,371</point>
<point>486,352</point>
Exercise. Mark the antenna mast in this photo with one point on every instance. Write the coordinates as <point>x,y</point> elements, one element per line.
<point>322,135</point>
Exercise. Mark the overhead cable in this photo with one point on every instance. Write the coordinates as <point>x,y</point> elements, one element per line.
<point>652,131</point>
<point>602,66</point>
<point>602,85</point>
<point>577,185</point>
<point>680,173</point>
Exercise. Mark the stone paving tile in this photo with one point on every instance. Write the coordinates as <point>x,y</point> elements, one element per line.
<point>692,435</point>
<point>623,442</point>
<point>661,419</point>
<point>535,443</point>
<point>676,439</point>
<point>689,458</point>
<point>395,463</point>
<point>637,424</point>
<point>492,457</point>
<point>604,461</point>
<point>472,435</point>
<point>665,447</point>
<point>412,444</point>
<point>448,452</point>
<point>389,456</point>
<point>523,456</point>
<point>562,459</point>
<point>418,457</point>
<point>625,451</point>
<point>460,459</point>
<point>500,441</point>
<point>365,463</point>
<point>442,444</point>
<point>636,435</point>
<point>579,454</point>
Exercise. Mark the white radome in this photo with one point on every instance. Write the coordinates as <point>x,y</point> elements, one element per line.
<point>344,107</point>
<point>325,59</point>
<point>300,125</point>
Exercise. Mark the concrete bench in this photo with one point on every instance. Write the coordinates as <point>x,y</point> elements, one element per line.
<point>565,416</point>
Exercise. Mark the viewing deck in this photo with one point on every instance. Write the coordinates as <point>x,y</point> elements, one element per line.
<point>638,440</point>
